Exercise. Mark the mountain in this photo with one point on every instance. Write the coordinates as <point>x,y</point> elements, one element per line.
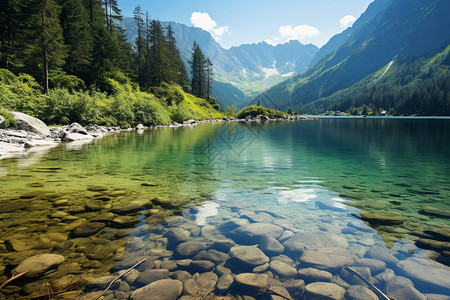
<point>405,38</point>
<point>242,71</point>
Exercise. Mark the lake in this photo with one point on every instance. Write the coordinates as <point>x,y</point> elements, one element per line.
<point>232,209</point>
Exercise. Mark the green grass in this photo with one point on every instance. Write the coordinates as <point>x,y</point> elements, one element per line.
<point>255,110</point>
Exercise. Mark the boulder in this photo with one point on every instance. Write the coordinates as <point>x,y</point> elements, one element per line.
<point>73,136</point>
<point>207,277</point>
<point>29,123</point>
<point>202,265</point>
<point>2,122</point>
<point>38,264</point>
<point>403,288</point>
<point>165,289</point>
<point>327,258</point>
<point>380,253</point>
<point>324,291</point>
<point>376,266</point>
<point>139,127</point>
<point>224,283</point>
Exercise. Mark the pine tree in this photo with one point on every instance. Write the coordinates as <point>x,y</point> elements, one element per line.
<point>9,31</point>
<point>45,46</point>
<point>77,36</point>
<point>138,15</point>
<point>176,69</point>
<point>156,54</point>
<point>209,78</point>
<point>198,84</point>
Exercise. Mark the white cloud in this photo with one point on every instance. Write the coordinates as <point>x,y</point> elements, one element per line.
<point>287,33</point>
<point>204,21</point>
<point>347,21</point>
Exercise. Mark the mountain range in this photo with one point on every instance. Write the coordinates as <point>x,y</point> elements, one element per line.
<point>240,72</point>
<point>394,58</point>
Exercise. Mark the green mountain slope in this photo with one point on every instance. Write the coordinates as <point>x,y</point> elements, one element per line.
<point>403,34</point>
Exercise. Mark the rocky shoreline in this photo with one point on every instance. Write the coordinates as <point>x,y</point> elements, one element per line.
<point>30,134</point>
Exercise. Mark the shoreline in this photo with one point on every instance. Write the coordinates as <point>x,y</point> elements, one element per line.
<point>30,134</point>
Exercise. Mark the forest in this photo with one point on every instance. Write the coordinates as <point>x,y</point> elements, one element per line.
<point>68,60</point>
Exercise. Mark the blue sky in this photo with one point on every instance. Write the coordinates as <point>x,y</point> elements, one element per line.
<point>236,22</point>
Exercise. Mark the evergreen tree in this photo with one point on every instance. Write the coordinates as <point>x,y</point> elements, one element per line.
<point>138,15</point>
<point>45,46</point>
<point>157,59</point>
<point>77,36</point>
<point>198,83</point>
<point>9,31</point>
<point>209,78</point>
<point>176,69</point>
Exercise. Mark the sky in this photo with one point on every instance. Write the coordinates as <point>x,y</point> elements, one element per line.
<point>236,22</point>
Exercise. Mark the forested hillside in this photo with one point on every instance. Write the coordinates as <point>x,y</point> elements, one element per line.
<point>394,60</point>
<point>79,47</point>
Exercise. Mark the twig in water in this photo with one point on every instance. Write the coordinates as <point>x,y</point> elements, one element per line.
<point>1,235</point>
<point>115,279</point>
<point>370,284</point>
<point>12,278</point>
<point>212,289</point>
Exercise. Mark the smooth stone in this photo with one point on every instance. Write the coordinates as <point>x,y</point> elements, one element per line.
<point>281,291</point>
<point>212,255</point>
<point>190,248</point>
<point>430,274</point>
<point>117,193</point>
<point>436,297</point>
<point>261,269</point>
<point>313,240</point>
<point>403,288</point>
<point>38,264</point>
<point>202,265</point>
<point>358,292</point>
<point>380,253</point>
<point>168,265</point>
<point>282,269</point>
<point>429,210</point>
<point>87,229</point>
<point>13,206</point>
<point>126,209</point>
<point>149,276</point>
<point>325,291</point>
<point>442,234</point>
<point>252,281</point>
<point>327,258</point>
<point>190,287</point>
<point>181,275</point>
<point>125,221</point>
<point>103,218</point>
<point>433,245</point>
<point>94,205</point>
<point>221,270</point>
<point>312,275</point>
<point>224,283</point>
<point>176,236</point>
<point>165,289</point>
<point>61,202</point>
<point>296,288</point>
<point>207,277</point>
<point>223,245</point>
<point>97,188</point>
<point>252,233</point>
<point>250,255</point>
<point>271,246</point>
<point>376,266</point>
<point>382,218</point>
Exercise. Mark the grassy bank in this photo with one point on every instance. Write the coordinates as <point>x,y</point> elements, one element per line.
<point>123,105</point>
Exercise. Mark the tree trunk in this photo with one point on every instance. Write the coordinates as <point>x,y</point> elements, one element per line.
<point>45,72</point>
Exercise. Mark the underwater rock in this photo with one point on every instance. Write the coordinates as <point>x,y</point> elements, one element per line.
<point>190,287</point>
<point>314,240</point>
<point>252,282</point>
<point>403,288</point>
<point>165,289</point>
<point>252,233</point>
<point>430,210</point>
<point>87,229</point>
<point>249,255</point>
<point>312,275</point>
<point>325,291</point>
<point>357,292</point>
<point>125,221</point>
<point>149,276</point>
<point>380,253</point>
<point>207,277</point>
<point>327,258</point>
<point>428,273</point>
<point>271,246</point>
<point>202,265</point>
<point>224,283</point>
<point>38,264</point>
<point>382,218</point>
<point>282,269</point>
<point>375,266</point>
<point>190,248</point>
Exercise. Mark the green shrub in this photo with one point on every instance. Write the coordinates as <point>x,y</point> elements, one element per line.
<point>65,81</point>
<point>9,117</point>
<point>254,110</point>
